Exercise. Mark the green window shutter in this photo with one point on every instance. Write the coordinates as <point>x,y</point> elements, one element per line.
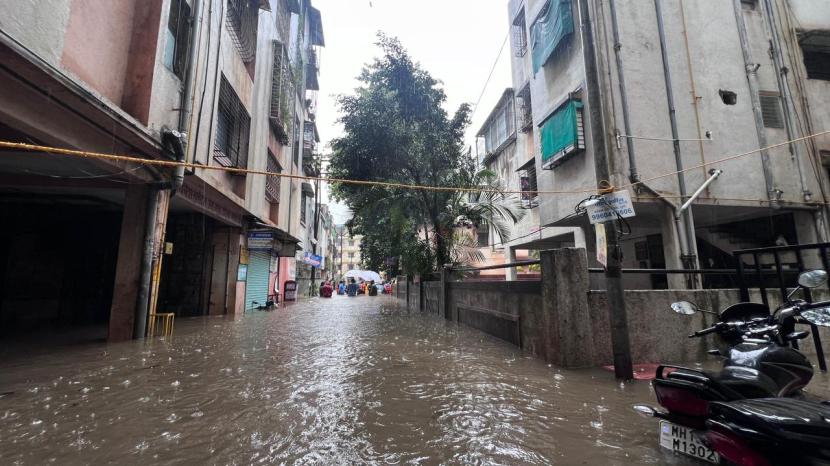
<point>562,133</point>
<point>551,27</point>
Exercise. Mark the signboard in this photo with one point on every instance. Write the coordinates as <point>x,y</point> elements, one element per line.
<point>602,245</point>
<point>260,240</point>
<point>610,206</point>
<point>290,291</point>
<point>312,259</point>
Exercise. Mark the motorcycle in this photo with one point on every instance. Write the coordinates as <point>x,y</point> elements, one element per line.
<point>759,362</point>
<point>770,431</point>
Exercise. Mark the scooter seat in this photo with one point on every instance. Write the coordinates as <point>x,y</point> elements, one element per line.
<point>784,419</point>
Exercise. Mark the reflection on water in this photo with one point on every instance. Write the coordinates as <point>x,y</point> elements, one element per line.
<point>336,381</point>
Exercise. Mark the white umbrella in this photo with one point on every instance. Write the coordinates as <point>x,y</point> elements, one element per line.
<point>366,275</point>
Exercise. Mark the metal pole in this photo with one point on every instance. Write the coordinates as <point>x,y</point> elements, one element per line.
<point>621,346</point>
<point>142,303</point>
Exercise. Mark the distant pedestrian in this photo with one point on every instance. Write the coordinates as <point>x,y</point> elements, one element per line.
<point>351,290</point>
<point>326,290</point>
<point>341,288</point>
<point>371,289</point>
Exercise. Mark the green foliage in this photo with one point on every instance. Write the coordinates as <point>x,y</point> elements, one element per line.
<point>396,130</point>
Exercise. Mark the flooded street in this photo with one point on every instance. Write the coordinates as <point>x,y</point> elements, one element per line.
<point>336,381</point>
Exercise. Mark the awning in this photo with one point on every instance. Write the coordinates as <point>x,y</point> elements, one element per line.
<point>307,188</point>
<point>551,27</point>
<point>527,165</point>
<point>282,243</point>
<point>316,27</point>
<point>560,132</point>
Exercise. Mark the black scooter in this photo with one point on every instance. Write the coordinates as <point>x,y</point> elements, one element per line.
<point>770,431</point>
<point>759,363</point>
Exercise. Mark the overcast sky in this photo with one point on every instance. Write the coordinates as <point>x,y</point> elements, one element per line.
<point>457,41</point>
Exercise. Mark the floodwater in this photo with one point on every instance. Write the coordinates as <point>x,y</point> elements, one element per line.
<point>327,381</point>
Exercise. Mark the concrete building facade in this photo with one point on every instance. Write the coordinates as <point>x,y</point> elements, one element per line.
<point>348,251</point>
<point>736,76</point>
<point>220,84</point>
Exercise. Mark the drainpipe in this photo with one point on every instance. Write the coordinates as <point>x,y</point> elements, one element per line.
<point>633,175</point>
<point>752,78</point>
<point>186,100</point>
<point>143,299</point>
<point>686,222</point>
<point>785,96</point>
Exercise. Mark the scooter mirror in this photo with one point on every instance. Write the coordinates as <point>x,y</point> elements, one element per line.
<point>812,278</point>
<point>820,316</point>
<point>684,307</point>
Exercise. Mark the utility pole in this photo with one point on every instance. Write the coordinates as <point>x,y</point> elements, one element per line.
<point>621,346</point>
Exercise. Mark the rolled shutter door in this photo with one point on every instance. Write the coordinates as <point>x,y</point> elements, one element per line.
<point>256,290</point>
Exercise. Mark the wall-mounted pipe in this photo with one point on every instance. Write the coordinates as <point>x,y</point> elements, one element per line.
<point>784,95</point>
<point>687,224</point>
<point>633,174</point>
<point>143,299</point>
<point>751,69</point>
<point>714,174</point>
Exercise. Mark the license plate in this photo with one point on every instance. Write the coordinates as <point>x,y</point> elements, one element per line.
<point>687,441</point>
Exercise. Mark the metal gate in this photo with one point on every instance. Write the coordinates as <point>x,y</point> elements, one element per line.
<point>256,290</point>
<point>776,269</point>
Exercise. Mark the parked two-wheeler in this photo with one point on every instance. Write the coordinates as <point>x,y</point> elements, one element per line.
<point>760,362</point>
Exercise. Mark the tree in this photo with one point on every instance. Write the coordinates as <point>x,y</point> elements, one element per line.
<point>397,131</point>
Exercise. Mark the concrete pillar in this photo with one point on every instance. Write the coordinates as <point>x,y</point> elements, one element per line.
<point>671,249</point>
<point>510,272</point>
<point>444,305</point>
<point>408,281</point>
<point>128,268</point>
<point>580,238</point>
<point>236,289</point>
<point>567,330</point>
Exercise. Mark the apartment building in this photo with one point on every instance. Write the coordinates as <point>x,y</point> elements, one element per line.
<point>348,251</point>
<point>683,85</point>
<point>220,84</point>
<point>505,147</point>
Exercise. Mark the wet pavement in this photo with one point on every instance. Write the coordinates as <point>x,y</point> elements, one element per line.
<point>326,381</point>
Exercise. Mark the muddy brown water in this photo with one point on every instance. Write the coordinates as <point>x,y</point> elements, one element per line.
<point>335,381</point>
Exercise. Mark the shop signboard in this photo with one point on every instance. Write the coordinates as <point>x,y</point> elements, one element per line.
<point>312,259</point>
<point>260,240</point>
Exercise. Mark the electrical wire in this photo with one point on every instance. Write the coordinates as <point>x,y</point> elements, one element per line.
<point>487,82</point>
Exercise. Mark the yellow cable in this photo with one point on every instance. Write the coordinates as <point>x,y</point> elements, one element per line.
<point>604,185</point>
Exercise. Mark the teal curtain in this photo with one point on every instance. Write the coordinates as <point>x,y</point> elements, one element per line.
<point>549,30</point>
<point>560,130</point>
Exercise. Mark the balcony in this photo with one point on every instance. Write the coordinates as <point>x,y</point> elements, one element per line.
<point>311,71</point>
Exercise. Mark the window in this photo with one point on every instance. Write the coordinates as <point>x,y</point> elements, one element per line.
<point>527,178</point>
<point>178,37</point>
<point>519,30</point>
<point>771,109</point>
<point>233,125</point>
<point>351,243</point>
<point>243,19</point>
<point>303,208</point>
<point>351,266</point>
<point>272,183</point>
<point>500,126</point>
<point>562,133</point>
<point>483,234</point>
<point>296,148</point>
<point>525,109</point>
<point>749,4</point>
<point>817,62</point>
<point>554,24</point>
<point>351,255</point>
<point>281,112</point>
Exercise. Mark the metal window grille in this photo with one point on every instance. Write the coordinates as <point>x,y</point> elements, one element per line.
<point>817,63</point>
<point>233,127</point>
<point>281,110</point>
<point>525,109</point>
<point>272,183</point>
<point>243,19</point>
<point>303,208</point>
<point>530,198</point>
<point>771,110</point>
<point>519,30</point>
